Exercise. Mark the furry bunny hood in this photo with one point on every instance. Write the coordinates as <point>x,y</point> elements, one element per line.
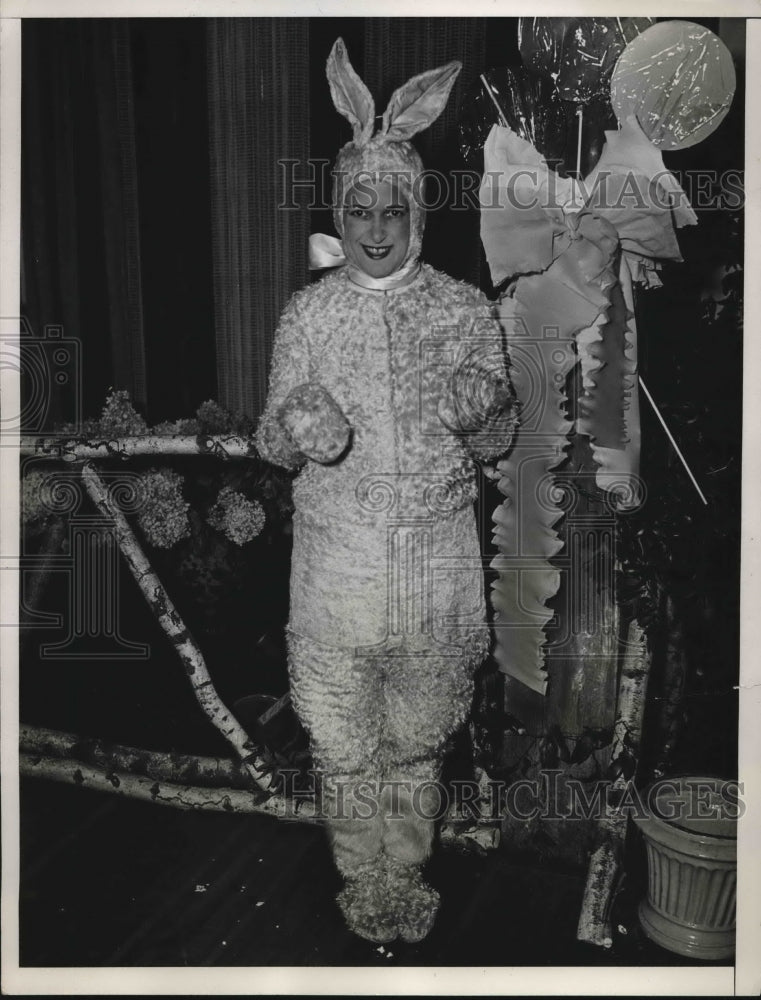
<point>413,106</point>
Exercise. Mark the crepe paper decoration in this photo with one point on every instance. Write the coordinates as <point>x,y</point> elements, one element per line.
<point>670,436</point>
<point>521,234</point>
<point>678,79</point>
<point>577,53</point>
<point>613,369</point>
<point>573,294</point>
<point>524,531</point>
<point>522,203</point>
<point>527,213</point>
<point>606,375</point>
<point>413,106</point>
<point>541,320</point>
<point>643,200</point>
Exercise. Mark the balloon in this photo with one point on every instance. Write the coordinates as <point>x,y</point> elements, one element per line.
<point>530,106</point>
<point>678,79</point>
<point>510,96</point>
<point>578,53</point>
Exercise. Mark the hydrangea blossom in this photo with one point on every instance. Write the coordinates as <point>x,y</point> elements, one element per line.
<point>119,418</point>
<point>163,515</point>
<point>238,517</point>
<point>213,419</point>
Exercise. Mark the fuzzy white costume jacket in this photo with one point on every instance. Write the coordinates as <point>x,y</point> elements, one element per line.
<point>386,556</point>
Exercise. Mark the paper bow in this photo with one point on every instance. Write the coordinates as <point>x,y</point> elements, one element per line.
<point>574,246</point>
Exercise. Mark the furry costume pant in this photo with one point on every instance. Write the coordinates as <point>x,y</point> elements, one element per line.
<point>378,726</point>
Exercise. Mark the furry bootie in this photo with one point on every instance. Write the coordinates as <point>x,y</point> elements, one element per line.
<point>414,901</point>
<point>365,904</point>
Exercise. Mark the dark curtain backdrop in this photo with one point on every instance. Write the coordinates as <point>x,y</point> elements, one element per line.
<point>115,206</point>
<point>150,223</point>
<point>258,78</point>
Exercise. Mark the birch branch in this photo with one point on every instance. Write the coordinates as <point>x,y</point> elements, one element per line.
<point>158,765</point>
<point>464,837</point>
<point>166,793</point>
<point>81,449</point>
<point>176,630</point>
<point>594,925</point>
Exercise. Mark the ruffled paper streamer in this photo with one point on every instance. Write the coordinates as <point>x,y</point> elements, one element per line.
<point>618,472</point>
<point>524,530</point>
<point>541,321</point>
<point>577,239</point>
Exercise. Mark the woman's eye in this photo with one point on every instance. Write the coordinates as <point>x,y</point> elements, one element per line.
<point>357,213</point>
<point>395,213</point>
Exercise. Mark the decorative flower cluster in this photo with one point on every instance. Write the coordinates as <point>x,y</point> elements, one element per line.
<point>163,515</point>
<point>238,517</point>
<point>119,418</point>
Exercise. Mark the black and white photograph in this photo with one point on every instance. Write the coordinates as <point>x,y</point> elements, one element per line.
<point>378,484</point>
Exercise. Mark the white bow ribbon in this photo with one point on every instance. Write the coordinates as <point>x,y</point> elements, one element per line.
<point>325,251</point>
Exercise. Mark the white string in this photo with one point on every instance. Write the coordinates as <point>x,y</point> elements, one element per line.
<point>580,116</point>
<point>487,88</point>
<point>673,442</point>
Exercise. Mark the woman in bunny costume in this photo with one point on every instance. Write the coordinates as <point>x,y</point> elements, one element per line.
<point>387,378</point>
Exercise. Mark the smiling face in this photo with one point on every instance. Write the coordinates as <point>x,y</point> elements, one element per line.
<point>376,227</point>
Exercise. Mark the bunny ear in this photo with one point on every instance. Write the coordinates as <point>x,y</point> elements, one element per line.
<point>350,96</point>
<point>419,102</point>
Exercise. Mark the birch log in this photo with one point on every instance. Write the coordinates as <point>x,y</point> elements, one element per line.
<point>166,793</point>
<point>606,862</point>
<point>469,837</point>
<point>81,449</point>
<point>182,768</point>
<point>176,630</point>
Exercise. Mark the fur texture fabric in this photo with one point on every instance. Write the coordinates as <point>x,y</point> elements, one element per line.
<point>366,904</point>
<point>387,616</point>
<point>387,619</point>
<point>414,903</point>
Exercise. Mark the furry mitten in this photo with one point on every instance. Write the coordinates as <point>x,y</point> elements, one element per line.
<point>473,400</point>
<point>315,423</point>
<point>365,904</point>
<point>414,902</point>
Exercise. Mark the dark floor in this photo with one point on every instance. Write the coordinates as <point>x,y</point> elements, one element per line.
<point>111,882</point>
